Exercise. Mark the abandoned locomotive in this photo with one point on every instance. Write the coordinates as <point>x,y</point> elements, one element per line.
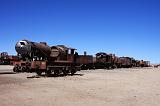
<point>40,57</point>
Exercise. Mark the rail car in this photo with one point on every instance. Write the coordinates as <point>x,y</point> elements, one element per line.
<point>126,62</point>
<point>86,61</point>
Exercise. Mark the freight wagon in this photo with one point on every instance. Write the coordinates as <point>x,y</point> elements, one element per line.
<point>86,61</point>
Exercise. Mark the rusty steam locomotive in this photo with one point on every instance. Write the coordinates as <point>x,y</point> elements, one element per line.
<point>40,57</point>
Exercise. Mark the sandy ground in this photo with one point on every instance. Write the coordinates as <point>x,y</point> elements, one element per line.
<point>120,87</point>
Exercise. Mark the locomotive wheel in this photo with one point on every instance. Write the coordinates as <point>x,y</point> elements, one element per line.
<point>48,72</point>
<point>65,72</point>
<point>56,72</point>
<point>23,69</point>
<point>38,71</point>
<point>73,72</point>
<point>15,69</point>
<point>18,68</point>
<point>28,69</point>
<point>114,66</point>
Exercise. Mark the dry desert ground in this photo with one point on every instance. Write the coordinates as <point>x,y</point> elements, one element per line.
<point>119,87</point>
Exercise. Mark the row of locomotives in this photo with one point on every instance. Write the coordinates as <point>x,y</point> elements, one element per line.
<point>129,62</point>
<point>103,60</point>
<point>111,61</point>
<point>100,61</point>
<point>39,57</point>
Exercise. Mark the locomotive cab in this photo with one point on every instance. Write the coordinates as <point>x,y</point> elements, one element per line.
<point>62,60</point>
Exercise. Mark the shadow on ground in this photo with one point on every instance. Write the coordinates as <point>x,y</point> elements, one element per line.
<point>7,73</point>
<point>52,75</point>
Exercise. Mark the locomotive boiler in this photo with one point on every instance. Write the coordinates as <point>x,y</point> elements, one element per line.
<point>32,50</point>
<point>40,57</point>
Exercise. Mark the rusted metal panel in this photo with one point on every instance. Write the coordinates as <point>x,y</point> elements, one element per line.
<point>85,59</point>
<point>39,64</point>
<point>126,61</point>
<point>70,58</point>
<point>20,63</point>
<point>43,65</point>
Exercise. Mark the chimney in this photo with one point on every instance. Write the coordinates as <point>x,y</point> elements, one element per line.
<point>85,53</point>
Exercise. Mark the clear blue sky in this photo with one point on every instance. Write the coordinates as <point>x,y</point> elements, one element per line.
<point>123,27</point>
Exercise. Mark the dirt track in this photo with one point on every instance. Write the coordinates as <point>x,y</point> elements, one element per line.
<point>120,87</point>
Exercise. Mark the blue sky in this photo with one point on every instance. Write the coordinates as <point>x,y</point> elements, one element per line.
<point>124,27</point>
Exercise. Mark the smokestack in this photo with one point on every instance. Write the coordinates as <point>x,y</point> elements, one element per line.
<point>85,53</point>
